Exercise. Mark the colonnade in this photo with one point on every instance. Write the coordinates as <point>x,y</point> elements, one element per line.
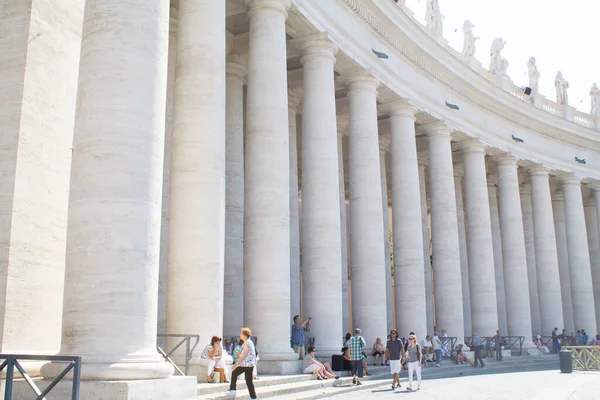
<point>256,227</point>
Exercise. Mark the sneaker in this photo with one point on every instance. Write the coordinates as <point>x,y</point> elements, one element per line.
<point>233,392</point>
<point>409,389</point>
<point>437,365</point>
<point>354,381</point>
<point>358,383</point>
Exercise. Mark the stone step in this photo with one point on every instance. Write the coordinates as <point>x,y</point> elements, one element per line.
<point>307,387</point>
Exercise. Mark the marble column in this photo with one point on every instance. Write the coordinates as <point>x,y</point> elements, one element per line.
<point>384,145</point>
<point>546,256</point>
<point>366,215</point>
<point>342,126</point>
<point>233,301</point>
<point>591,221</point>
<point>462,242</point>
<point>321,241</point>
<point>163,276</point>
<point>514,258</point>
<point>294,106</point>
<point>498,265</point>
<point>197,198</point>
<point>560,226</point>
<point>40,44</point>
<point>484,310</point>
<point>444,226</point>
<point>534,301</point>
<point>407,219</point>
<point>582,291</point>
<point>267,187</point>
<point>113,234</point>
<point>426,249</point>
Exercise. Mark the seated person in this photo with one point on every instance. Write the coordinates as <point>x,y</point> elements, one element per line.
<point>213,357</point>
<point>378,352</point>
<point>229,346</point>
<point>348,361</point>
<point>461,357</point>
<point>427,348</point>
<point>311,365</point>
<point>540,345</point>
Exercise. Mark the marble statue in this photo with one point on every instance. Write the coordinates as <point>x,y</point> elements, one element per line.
<point>595,95</point>
<point>534,76</point>
<point>561,85</point>
<point>433,18</point>
<point>469,39</point>
<point>498,64</point>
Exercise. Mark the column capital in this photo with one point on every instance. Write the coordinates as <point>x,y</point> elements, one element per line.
<point>570,179</point>
<point>595,186</point>
<point>295,100</point>
<point>363,80</point>
<point>505,159</point>
<point>538,170</point>
<point>400,109</point>
<point>438,128</point>
<point>558,196</point>
<point>589,201</point>
<point>459,171</point>
<point>384,142</point>
<point>472,145</point>
<point>315,46</point>
<point>525,188</point>
<point>236,67</point>
<point>278,5</point>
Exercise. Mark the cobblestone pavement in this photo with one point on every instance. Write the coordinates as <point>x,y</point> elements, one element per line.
<point>538,385</point>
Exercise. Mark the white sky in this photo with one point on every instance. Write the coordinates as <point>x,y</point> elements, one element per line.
<point>561,35</point>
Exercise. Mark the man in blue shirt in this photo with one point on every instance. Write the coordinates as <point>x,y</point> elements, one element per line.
<point>298,335</point>
<point>477,344</point>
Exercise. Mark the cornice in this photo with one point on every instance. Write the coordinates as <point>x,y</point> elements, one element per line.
<point>515,114</point>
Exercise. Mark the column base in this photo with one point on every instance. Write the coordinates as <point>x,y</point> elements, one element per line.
<point>174,388</point>
<point>279,367</point>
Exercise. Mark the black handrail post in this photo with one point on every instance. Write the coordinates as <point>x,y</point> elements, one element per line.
<point>76,378</point>
<point>10,371</point>
<point>187,355</point>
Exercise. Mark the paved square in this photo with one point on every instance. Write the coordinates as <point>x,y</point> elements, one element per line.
<point>538,385</point>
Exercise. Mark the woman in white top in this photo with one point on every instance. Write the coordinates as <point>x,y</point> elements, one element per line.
<point>213,357</point>
<point>245,364</point>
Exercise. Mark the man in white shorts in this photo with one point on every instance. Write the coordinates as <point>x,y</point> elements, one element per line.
<point>392,353</point>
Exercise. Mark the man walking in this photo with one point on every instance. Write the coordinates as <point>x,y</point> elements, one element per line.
<point>498,345</point>
<point>298,336</point>
<point>392,353</point>
<point>357,344</point>
<point>477,343</point>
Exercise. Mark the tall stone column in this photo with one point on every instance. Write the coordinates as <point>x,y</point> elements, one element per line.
<point>498,265</point>
<point>321,241</point>
<point>197,198</point>
<point>513,250</point>
<point>366,214</point>
<point>560,226</point>
<point>342,126</point>
<point>462,242</point>
<point>546,256</point>
<point>406,213</point>
<point>444,226</point>
<point>384,145</point>
<point>233,301</point>
<point>113,235</point>
<point>40,44</point>
<point>582,291</point>
<point>591,222</point>
<point>534,301</point>
<point>294,101</point>
<point>480,244</point>
<point>426,249</point>
<point>267,189</point>
<point>163,276</point>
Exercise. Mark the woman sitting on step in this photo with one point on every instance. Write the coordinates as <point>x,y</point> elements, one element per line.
<point>213,357</point>
<point>311,365</point>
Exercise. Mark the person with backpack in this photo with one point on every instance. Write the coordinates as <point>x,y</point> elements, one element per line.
<point>413,357</point>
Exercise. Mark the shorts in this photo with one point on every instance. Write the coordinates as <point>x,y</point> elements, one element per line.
<point>311,369</point>
<point>395,367</point>
<point>357,368</point>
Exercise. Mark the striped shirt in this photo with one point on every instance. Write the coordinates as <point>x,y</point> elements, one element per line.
<point>211,348</point>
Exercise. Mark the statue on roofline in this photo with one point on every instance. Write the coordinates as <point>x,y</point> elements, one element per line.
<point>561,85</point>
<point>498,64</point>
<point>433,18</point>
<point>469,40</point>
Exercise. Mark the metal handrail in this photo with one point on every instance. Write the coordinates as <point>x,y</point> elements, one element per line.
<point>11,361</point>
<point>584,358</point>
<point>448,340</point>
<point>509,342</point>
<point>188,350</point>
